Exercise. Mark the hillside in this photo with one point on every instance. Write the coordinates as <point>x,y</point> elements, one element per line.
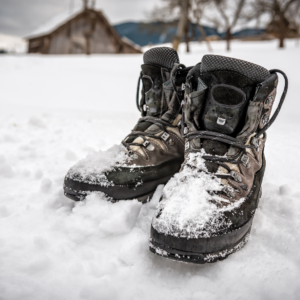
<point>155,33</point>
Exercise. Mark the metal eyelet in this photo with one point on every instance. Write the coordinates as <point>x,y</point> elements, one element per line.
<point>188,98</point>
<point>187,146</point>
<point>171,142</point>
<point>246,161</point>
<point>229,191</point>
<point>269,100</point>
<point>256,143</point>
<point>265,119</point>
<point>165,136</point>
<point>132,155</point>
<point>236,176</point>
<point>148,146</point>
<point>244,187</point>
<point>146,143</point>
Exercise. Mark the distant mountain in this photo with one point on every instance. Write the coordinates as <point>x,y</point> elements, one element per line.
<point>248,32</point>
<point>156,33</point>
<point>244,33</point>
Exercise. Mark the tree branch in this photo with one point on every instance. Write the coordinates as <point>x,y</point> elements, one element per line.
<point>238,12</point>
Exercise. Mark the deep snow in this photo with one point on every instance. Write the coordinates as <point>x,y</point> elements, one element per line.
<point>56,110</point>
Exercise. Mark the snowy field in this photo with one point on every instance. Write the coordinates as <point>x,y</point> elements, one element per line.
<point>12,44</point>
<point>57,109</point>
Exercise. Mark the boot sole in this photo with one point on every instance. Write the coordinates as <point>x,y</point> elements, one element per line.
<point>205,250</point>
<point>77,196</point>
<point>201,258</point>
<point>229,243</point>
<point>143,193</point>
<point>77,190</point>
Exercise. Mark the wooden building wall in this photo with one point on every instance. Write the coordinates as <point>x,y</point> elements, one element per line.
<point>88,32</point>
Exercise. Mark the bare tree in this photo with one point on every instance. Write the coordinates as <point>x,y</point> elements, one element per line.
<point>85,4</point>
<point>171,10</point>
<point>183,23</point>
<point>293,14</point>
<point>279,11</point>
<point>229,13</point>
<point>198,7</point>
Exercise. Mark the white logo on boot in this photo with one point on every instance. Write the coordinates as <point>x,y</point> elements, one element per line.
<point>221,121</point>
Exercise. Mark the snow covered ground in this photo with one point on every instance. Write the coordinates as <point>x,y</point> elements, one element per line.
<point>57,109</point>
<point>12,44</point>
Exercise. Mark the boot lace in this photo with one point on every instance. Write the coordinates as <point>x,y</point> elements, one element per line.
<point>162,124</point>
<point>237,159</point>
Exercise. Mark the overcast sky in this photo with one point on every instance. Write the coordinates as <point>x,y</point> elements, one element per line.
<point>21,17</point>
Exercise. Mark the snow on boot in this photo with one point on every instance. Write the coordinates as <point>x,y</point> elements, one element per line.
<point>153,152</point>
<point>206,210</point>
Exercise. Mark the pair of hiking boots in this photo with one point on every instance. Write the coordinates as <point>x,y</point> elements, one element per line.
<point>202,133</point>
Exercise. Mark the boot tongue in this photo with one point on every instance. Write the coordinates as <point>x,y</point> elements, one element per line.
<point>224,113</point>
<point>226,103</point>
<point>163,57</point>
<point>158,63</point>
<point>156,69</point>
<point>224,109</point>
<point>211,63</point>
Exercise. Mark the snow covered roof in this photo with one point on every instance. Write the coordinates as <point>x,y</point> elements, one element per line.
<point>130,43</point>
<point>63,18</point>
<point>54,23</point>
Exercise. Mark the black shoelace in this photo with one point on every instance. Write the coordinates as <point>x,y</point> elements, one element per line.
<point>162,124</point>
<point>158,122</point>
<point>210,135</point>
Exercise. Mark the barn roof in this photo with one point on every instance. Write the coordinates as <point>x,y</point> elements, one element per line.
<point>54,23</point>
<point>61,19</point>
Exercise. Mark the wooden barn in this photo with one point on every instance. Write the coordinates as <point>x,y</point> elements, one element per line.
<point>86,31</point>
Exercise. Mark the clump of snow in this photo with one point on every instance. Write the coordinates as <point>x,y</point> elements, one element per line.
<point>5,168</point>
<point>113,219</point>
<point>285,189</point>
<point>37,122</point>
<point>187,209</point>
<point>4,211</point>
<point>55,22</point>
<point>46,185</point>
<point>9,138</point>
<point>92,169</point>
<point>38,174</point>
<point>70,155</point>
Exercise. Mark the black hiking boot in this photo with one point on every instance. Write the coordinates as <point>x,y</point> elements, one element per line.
<point>153,152</point>
<point>207,209</point>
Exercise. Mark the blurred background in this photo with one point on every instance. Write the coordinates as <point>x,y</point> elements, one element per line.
<point>69,54</point>
<point>115,26</point>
